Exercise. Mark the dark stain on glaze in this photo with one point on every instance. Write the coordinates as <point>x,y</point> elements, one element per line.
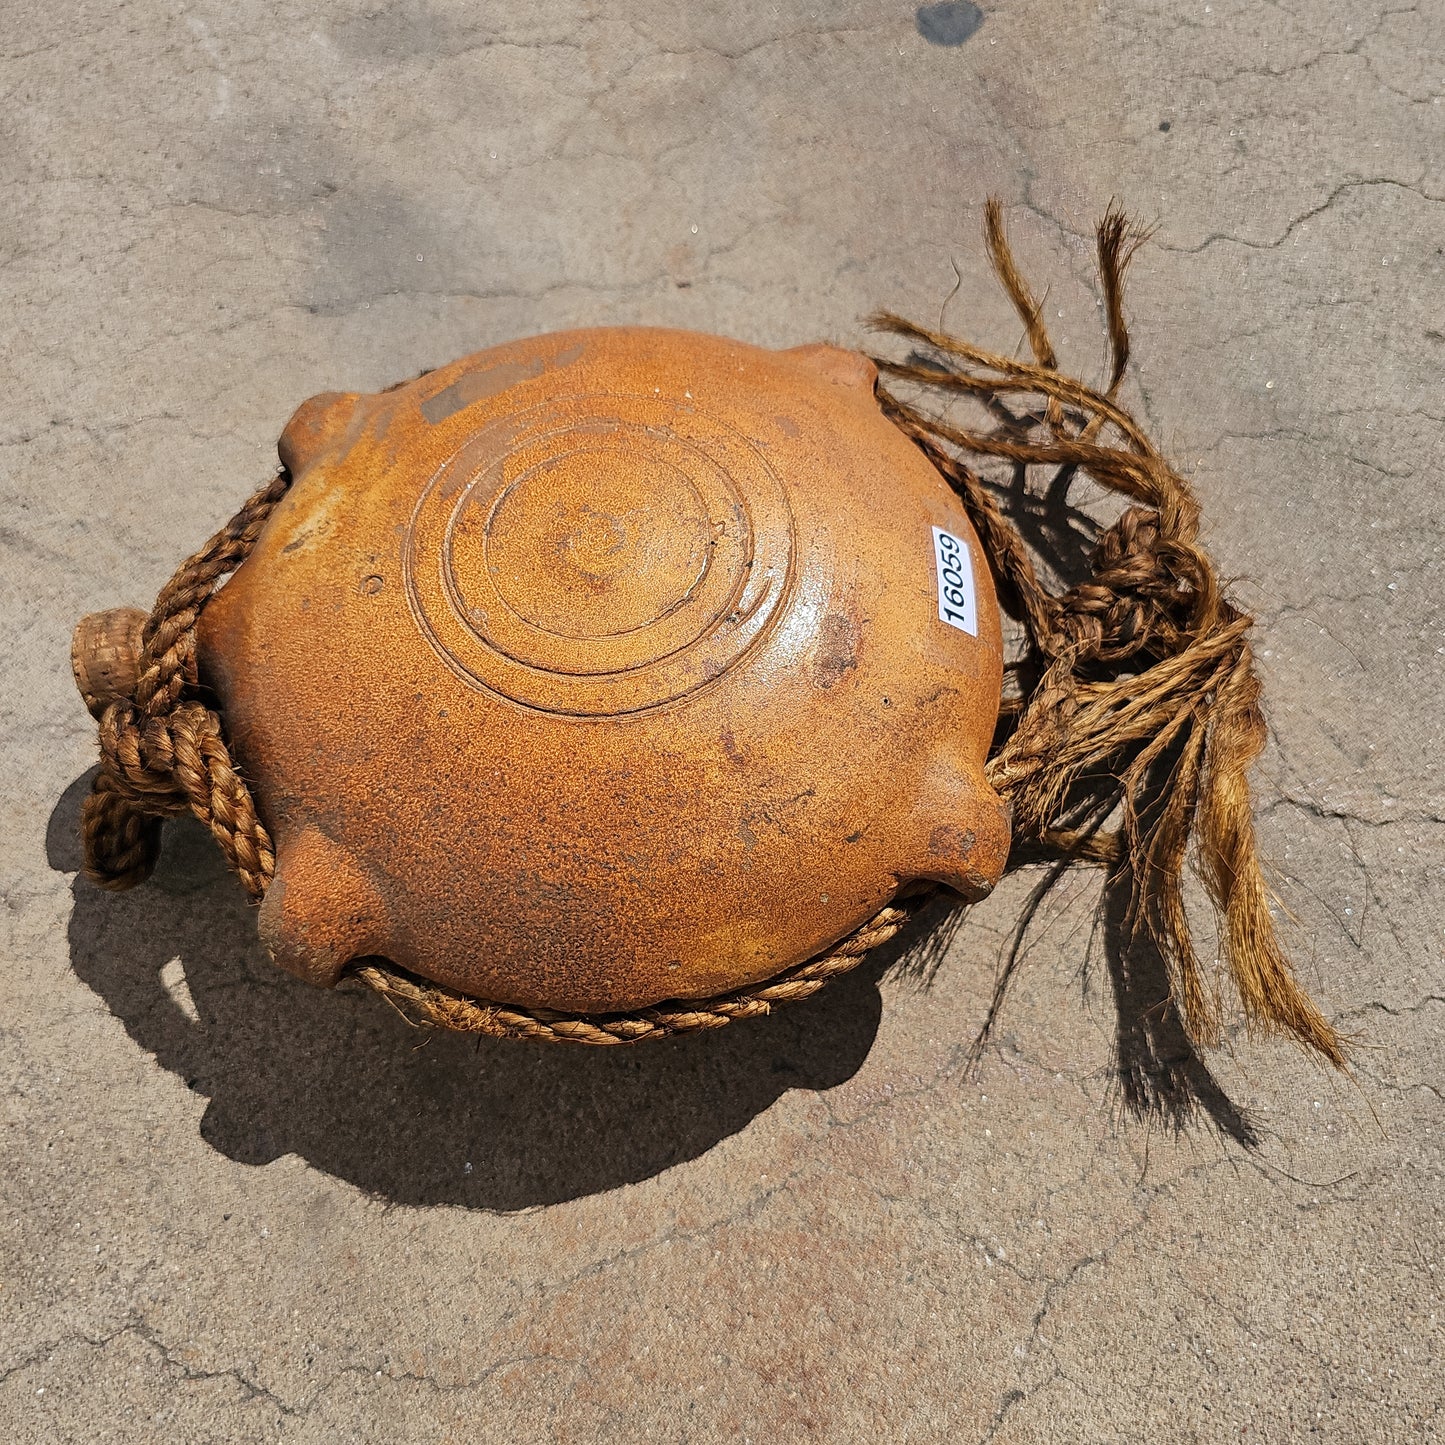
<point>950,842</point>
<point>475,386</point>
<point>838,640</point>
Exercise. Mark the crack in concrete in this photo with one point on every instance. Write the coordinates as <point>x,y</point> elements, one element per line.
<point>1338,813</point>
<point>1059,1287</point>
<point>816,33</point>
<point>1342,189</point>
<point>1279,72</point>
<point>137,1327</point>
<point>1404,1011</point>
<point>449,1387</point>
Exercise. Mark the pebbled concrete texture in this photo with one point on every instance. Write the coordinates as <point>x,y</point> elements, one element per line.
<point>236,1209</point>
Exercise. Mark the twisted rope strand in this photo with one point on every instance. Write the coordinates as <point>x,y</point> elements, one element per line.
<point>443,1006</point>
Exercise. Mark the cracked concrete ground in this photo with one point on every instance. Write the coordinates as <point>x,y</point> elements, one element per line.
<point>236,1209</point>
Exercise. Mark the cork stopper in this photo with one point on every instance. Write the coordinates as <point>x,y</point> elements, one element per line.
<point>104,655</point>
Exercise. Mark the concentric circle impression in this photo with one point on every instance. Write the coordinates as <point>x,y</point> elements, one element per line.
<point>599,555</point>
<point>592,543</point>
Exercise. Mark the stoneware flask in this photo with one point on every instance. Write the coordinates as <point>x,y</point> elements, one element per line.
<point>603,668</point>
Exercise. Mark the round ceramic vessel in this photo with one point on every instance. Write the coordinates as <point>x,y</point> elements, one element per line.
<point>608,667</point>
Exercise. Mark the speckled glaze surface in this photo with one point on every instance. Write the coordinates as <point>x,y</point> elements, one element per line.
<point>606,667</point>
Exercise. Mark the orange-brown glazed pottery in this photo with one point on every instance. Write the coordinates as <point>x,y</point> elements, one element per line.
<point>608,667</point>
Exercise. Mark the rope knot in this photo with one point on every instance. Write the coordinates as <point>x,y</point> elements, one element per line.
<point>161,750</point>
<point>1143,593</point>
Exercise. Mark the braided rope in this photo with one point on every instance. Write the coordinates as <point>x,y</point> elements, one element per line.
<point>451,1010</point>
<point>1145,665</point>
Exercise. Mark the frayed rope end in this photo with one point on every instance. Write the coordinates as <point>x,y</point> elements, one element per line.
<point>1138,693</point>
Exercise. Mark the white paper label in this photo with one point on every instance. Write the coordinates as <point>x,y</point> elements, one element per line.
<point>957,602</point>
